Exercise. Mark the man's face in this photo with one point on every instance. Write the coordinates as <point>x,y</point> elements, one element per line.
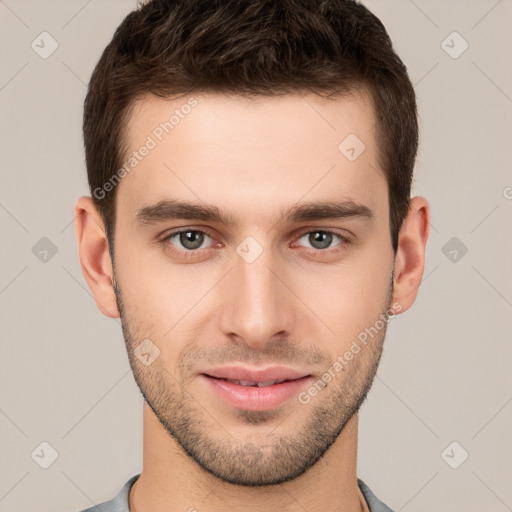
<point>265,292</point>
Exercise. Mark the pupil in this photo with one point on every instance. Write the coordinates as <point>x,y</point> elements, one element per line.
<point>191,239</point>
<point>321,238</point>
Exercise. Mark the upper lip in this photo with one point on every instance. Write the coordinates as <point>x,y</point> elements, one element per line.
<point>255,375</point>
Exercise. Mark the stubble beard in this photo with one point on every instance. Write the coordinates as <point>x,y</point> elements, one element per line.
<point>256,459</point>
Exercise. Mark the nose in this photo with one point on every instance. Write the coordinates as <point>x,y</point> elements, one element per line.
<point>258,306</point>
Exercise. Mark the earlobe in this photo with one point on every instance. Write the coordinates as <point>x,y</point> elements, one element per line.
<point>410,255</point>
<point>94,255</point>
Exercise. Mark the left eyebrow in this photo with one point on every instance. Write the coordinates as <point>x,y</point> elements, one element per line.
<point>174,209</point>
<point>329,210</point>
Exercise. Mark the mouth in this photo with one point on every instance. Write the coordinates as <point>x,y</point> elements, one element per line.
<point>257,394</point>
<point>254,384</point>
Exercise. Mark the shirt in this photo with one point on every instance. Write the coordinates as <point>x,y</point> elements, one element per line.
<point>120,502</point>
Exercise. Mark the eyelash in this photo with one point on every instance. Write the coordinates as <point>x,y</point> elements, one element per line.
<point>344,241</point>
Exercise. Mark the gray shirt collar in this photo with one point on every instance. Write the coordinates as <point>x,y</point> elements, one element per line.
<point>121,502</point>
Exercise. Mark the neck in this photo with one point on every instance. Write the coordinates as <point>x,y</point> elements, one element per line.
<point>171,481</point>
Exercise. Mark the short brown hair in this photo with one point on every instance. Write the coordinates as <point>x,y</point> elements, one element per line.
<point>250,47</point>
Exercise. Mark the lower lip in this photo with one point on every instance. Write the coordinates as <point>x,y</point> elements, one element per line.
<point>253,398</point>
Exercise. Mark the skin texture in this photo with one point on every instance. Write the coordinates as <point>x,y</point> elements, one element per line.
<point>298,304</point>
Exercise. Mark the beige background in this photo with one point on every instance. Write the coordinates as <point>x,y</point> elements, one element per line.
<point>445,374</point>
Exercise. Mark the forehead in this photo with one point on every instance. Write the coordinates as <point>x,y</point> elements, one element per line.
<point>242,152</point>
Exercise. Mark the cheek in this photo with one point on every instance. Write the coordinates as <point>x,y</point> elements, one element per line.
<point>158,293</point>
<point>350,297</point>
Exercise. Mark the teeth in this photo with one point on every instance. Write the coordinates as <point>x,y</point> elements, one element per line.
<point>257,384</point>
<point>270,383</point>
<point>245,383</point>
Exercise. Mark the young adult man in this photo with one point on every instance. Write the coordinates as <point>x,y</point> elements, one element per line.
<point>250,166</point>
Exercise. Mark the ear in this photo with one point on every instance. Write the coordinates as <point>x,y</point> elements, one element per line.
<point>410,255</point>
<point>94,255</point>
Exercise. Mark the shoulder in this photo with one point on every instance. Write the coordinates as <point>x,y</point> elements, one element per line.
<point>374,504</point>
<point>119,503</point>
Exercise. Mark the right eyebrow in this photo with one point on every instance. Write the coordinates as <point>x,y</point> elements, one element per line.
<point>174,209</point>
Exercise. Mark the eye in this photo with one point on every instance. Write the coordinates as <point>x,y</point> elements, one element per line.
<point>189,239</point>
<point>188,242</point>
<point>321,239</point>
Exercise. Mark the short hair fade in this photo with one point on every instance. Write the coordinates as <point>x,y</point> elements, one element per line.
<point>250,47</point>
